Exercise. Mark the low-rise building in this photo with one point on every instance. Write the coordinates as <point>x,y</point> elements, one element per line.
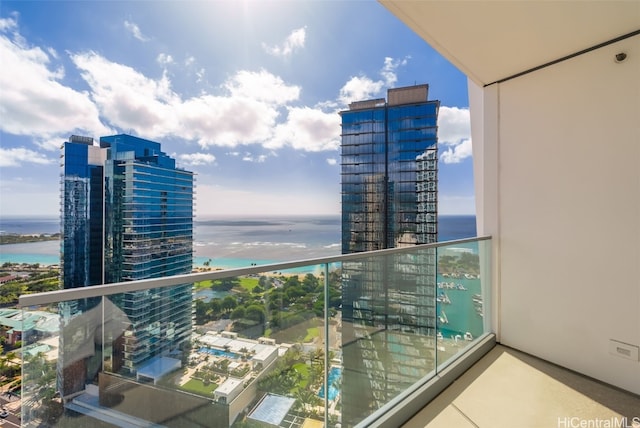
<point>16,323</point>
<point>229,390</point>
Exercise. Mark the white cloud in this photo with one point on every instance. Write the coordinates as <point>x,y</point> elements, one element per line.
<point>164,59</point>
<point>53,53</point>
<point>197,159</point>
<point>200,75</point>
<point>51,144</point>
<point>454,125</point>
<point>248,157</point>
<point>307,129</point>
<point>225,121</point>
<point>293,42</point>
<point>33,101</point>
<point>261,86</point>
<point>128,99</point>
<point>457,153</point>
<point>135,31</point>
<point>454,134</point>
<point>248,111</point>
<point>332,161</point>
<point>388,71</point>
<point>19,155</point>
<point>361,88</point>
<point>7,24</point>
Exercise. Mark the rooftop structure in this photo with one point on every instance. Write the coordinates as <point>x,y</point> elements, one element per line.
<point>229,390</point>
<point>14,323</point>
<point>272,409</point>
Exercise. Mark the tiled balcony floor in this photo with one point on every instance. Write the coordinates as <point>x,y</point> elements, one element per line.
<point>508,388</point>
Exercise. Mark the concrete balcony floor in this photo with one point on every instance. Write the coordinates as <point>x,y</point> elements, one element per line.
<point>508,388</point>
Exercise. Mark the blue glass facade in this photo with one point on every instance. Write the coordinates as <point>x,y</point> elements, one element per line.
<point>81,212</point>
<point>389,200</point>
<point>389,174</point>
<point>127,215</point>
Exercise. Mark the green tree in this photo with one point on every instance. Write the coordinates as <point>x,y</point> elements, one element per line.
<point>216,306</point>
<point>291,281</point>
<point>237,313</point>
<point>293,293</point>
<point>256,313</point>
<point>229,303</point>
<point>226,284</point>
<point>201,312</point>
<point>310,282</point>
<point>264,282</point>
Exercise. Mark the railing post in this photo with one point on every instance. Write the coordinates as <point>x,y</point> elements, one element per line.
<point>326,345</point>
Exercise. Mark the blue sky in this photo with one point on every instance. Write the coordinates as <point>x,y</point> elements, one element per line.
<point>244,93</point>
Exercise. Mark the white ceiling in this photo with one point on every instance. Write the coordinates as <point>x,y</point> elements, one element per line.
<point>492,40</point>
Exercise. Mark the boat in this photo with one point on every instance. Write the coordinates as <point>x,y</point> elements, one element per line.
<point>443,298</point>
<point>439,336</point>
<point>443,318</point>
<point>468,336</point>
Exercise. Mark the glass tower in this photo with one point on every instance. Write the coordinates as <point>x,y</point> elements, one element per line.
<point>127,214</point>
<point>389,200</point>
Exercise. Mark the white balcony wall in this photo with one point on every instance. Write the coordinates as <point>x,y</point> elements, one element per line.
<point>557,166</point>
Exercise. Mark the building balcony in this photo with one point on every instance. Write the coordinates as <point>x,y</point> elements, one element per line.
<point>508,388</point>
<point>293,331</point>
<point>410,343</point>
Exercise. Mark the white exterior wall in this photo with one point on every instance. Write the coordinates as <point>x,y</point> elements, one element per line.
<point>229,389</point>
<point>557,159</point>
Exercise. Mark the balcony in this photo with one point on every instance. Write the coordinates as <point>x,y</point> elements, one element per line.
<point>508,388</point>
<point>372,329</point>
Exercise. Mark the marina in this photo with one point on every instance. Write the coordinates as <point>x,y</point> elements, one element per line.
<point>460,307</point>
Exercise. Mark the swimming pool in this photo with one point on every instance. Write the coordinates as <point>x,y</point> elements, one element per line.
<point>219,353</point>
<point>334,387</point>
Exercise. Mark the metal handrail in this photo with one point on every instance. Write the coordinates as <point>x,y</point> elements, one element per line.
<point>56,296</point>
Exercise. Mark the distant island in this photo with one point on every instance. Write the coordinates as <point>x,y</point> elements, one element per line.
<point>14,238</point>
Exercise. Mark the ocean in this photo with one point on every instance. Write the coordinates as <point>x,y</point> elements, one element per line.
<point>229,242</point>
<point>239,242</point>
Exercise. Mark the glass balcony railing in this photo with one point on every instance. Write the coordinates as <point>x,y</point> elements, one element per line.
<point>328,342</point>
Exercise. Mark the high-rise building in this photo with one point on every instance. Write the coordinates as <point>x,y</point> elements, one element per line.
<point>127,214</point>
<point>389,171</point>
<point>389,200</point>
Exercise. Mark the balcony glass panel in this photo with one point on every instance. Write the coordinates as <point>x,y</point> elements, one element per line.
<point>463,298</point>
<point>334,340</point>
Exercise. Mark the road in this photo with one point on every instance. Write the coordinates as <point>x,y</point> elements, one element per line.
<point>12,405</point>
